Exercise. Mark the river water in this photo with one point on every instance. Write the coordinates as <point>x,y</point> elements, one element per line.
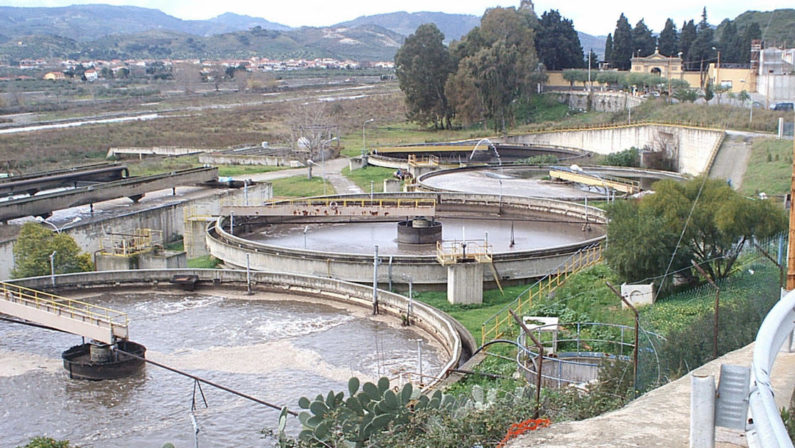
<point>276,348</point>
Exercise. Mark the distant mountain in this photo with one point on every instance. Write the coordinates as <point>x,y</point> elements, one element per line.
<point>88,22</point>
<point>595,43</point>
<point>453,26</point>
<point>237,22</point>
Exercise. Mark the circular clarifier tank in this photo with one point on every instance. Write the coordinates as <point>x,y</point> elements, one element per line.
<point>525,238</point>
<point>503,235</point>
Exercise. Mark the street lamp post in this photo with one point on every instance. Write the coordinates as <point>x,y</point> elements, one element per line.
<point>364,146</point>
<point>52,267</point>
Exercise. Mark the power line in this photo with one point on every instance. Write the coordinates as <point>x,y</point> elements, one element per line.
<point>202,380</point>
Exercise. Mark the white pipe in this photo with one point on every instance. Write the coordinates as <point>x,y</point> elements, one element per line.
<point>702,411</point>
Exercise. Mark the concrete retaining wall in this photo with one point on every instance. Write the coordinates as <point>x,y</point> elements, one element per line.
<point>600,101</point>
<point>435,323</point>
<point>695,146</point>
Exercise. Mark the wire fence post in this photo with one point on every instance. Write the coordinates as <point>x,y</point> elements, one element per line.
<point>635,351</point>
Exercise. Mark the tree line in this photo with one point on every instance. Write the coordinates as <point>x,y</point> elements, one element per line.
<point>695,43</point>
<point>490,73</point>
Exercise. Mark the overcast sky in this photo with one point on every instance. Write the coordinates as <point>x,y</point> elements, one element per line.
<point>593,17</point>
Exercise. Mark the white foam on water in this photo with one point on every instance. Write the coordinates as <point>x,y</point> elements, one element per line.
<point>293,326</point>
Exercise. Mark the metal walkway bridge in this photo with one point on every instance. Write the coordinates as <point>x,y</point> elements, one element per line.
<point>61,313</point>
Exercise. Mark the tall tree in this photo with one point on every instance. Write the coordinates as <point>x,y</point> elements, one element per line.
<point>686,39</point>
<point>609,48</point>
<point>557,43</point>
<point>669,39</point>
<point>500,67</point>
<point>717,228</point>
<point>701,49</point>
<point>752,32</point>
<point>643,43</point>
<point>593,59</point>
<point>422,65</point>
<point>622,44</point>
<point>730,43</point>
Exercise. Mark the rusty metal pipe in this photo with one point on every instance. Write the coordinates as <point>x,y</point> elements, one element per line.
<point>540,361</point>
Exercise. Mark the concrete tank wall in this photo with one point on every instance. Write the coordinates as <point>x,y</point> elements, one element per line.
<point>696,146</point>
<point>170,219</point>
<point>435,323</point>
<point>423,270</point>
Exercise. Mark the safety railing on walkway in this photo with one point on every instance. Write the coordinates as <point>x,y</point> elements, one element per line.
<point>57,308</point>
<point>455,251</point>
<point>129,244</point>
<point>606,126</point>
<point>776,330</point>
<point>358,202</point>
<point>501,322</point>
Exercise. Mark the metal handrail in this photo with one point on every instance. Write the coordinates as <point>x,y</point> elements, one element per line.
<point>359,202</point>
<point>582,259</point>
<point>776,329</point>
<point>74,308</point>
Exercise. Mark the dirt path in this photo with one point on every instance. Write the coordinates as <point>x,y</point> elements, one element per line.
<point>660,418</point>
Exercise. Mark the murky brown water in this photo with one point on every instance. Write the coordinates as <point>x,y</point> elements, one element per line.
<point>274,350</point>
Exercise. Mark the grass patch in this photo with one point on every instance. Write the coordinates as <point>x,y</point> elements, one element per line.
<point>159,165</point>
<point>364,176</point>
<point>301,187</point>
<point>403,133</point>
<point>205,262</point>
<point>242,170</point>
<point>769,168</point>
<point>472,316</point>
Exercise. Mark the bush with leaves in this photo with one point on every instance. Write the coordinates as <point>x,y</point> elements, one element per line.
<point>34,246</point>
<point>628,157</point>
<point>47,442</point>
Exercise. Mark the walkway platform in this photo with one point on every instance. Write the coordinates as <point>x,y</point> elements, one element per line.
<point>72,316</point>
<point>131,187</point>
<point>384,208</point>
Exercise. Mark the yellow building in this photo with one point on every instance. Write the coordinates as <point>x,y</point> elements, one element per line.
<point>658,64</point>
<point>55,76</point>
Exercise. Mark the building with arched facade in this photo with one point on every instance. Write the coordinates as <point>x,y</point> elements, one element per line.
<point>658,64</point>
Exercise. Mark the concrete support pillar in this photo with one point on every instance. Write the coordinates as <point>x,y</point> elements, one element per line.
<point>195,238</point>
<point>702,411</point>
<point>465,283</point>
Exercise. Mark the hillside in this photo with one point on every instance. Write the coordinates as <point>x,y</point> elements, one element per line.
<point>364,43</point>
<point>777,26</point>
<point>453,26</point>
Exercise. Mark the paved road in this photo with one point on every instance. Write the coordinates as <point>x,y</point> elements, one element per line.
<point>732,158</point>
<point>660,418</point>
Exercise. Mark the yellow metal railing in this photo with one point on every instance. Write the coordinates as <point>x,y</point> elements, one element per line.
<point>623,185</point>
<point>451,252</point>
<point>423,161</point>
<point>129,244</point>
<point>598,127</point>
<point>363,202</point>
<point>500,323</point>
<point>62,306</point>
